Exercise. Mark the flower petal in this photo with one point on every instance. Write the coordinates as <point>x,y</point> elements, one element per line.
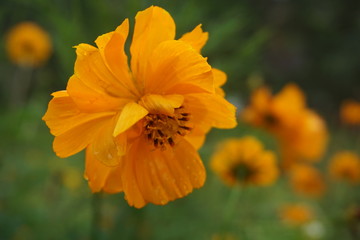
<point>63,114</point>
<point>101,177</point>
<point>131,114</point>
<point>93,87</point>
<point>197,135</point>
<point>219,77</point>
<point>174,63</point>
<point>163,104</point>
<point>196,38</point>
<point>161,176</point>
<point>108,149</point>
<point>152,26</point>
<point>111,48</point>
<point>79,137</point>
<point>210,110</point>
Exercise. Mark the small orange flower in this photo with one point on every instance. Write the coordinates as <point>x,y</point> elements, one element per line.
<point>141,124</point>
<point>350,112</point>
<point>244,161</point>
<point>28,44</point>
<point>307,180</point>
<point>296,214</point>
<point>301,132</point>
<point>345,165</point>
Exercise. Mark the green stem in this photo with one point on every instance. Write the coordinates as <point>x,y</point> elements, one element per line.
<point>95,231</point>
<point>230,208</point>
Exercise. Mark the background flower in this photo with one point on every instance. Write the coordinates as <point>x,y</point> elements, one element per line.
<point>244,162</point>
<point>307,180</point>
<point>345,165</point>
<point>28,44</point>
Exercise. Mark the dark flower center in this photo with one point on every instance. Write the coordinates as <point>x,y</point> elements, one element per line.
<point>162,129</point>
<point>242,172</point>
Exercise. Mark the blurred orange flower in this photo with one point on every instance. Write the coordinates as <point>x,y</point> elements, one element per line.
<point>296,214</point>
<point>350,112</point>
<point>307,180</point>
<point>28,44</point>
<point>244,161</point>
<point>301,132</point>
<point>345,165</point>
<point>141,128</point>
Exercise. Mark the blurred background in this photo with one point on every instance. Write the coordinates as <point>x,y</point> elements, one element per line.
<point>314,44</point>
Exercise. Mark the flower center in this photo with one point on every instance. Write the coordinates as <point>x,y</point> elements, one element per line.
<point>162,129</point>
<point>242,172</point>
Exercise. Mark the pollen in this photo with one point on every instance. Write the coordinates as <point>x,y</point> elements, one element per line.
<point>162,130</point>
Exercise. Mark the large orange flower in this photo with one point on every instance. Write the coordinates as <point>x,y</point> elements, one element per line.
<point>141,125</point>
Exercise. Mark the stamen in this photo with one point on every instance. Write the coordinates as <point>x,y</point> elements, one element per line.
<point>171,142</point>
<point>162,130</point>
<point>183,119</point>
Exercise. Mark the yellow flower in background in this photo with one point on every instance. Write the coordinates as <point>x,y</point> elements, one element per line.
<point>243,161</point>
<point>307,141</point>
<point>307,180</point>
<point>296,214</point>
<point>345,165</point>
<point>141,124</point>
<point>28,44</point>
<point>302,133</point>
<point>275,113</point>
<point>350,112</point>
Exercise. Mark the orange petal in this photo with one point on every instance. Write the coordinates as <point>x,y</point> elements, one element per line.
<point>288,104</point>
<point>108,149</point>
<point>161,176</point>
<point>163,104</point>
<point>196,38</point>
<point>152,26</point>
<point>90,100</point>
<point>211,110</point>
<point>175,62</point>
<point>219,77</point>
<point>77,138</point>
<point>131,114</point>
<point>196,136</point>
<point>101,177</point>
<point>93,81</point>
<point>111,48</point>
<point>62,114</point>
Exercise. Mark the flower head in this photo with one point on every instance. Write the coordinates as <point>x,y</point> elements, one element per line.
<point>345,165</point>
<point>307,180</point>
<point>350,112</point>
<point>244,161</point>
<point>301,132</point>
<point>296,214</point>
<point>141,124</point>
<point>28,44</point>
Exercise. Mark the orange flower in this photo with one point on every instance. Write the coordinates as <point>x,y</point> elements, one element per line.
<point>296,214</point>
<point>345,165</point>
<point>306,180</point>
<point>275,113</point>
<point>244,161</point>
<point>301,132</point>
<point>28,44</point>
<point>141,125</point>
<point>350,112</point>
